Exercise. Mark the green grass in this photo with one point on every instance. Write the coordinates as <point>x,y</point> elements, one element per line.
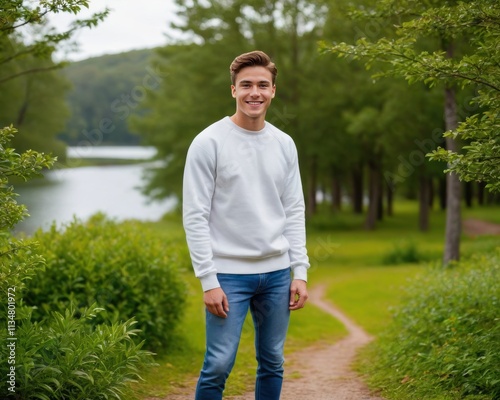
<point>487,213</point>
<point>346,258</point>
<point>368,294</point>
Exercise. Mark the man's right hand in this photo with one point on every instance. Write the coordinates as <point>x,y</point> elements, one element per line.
<point>216,302</point>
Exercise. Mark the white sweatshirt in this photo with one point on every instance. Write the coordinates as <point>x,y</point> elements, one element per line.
<point>243,206</point>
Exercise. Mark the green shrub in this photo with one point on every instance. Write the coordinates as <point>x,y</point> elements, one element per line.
<point>404,253</point>
<point>63,357</point>
<point>444,341</point>
<point>123,267</point>
<point>66,358</point>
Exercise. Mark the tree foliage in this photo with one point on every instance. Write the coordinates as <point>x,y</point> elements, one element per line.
<point>476,66</point>
<point>195,91</point>
<point>24,166</point>
<point>342,124</point>
<point>106,91</point>
<point>12,164</point>
<point>34,103</point>
<point>42,42</point>
<point>32,93</point>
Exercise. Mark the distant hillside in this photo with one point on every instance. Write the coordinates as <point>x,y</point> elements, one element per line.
<point>106,91</point>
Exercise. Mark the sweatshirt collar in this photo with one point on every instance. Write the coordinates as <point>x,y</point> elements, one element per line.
<point>245,131</point>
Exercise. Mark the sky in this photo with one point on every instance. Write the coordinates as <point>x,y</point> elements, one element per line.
<point>131,24</point>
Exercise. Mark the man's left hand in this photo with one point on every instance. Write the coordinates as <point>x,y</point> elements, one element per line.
<point>298,294</point>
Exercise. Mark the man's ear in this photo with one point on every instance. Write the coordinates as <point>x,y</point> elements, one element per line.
<point>274,91</point>
<point>233,91</point>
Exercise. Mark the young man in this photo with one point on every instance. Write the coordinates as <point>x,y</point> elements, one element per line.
<point>243,213</point>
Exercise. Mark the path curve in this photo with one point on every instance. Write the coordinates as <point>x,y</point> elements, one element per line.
<point>325,371</point>
<point>320,372</point>
<point>475,227</point>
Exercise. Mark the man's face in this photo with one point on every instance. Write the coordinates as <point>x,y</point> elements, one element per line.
<point>253,91</point>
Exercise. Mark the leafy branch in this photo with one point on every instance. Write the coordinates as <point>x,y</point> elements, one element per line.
<point>475,22</point>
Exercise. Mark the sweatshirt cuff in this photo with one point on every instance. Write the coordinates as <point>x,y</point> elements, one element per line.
<point>300,273</point>
<point>209,282</point>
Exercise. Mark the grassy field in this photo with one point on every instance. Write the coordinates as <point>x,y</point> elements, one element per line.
<point>349,260</point>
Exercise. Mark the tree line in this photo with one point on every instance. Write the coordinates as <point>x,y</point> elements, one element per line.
<point>453,45</point>
<point>32,92</point>
<point>105,92</point>
<point>357,139</point>
<point>362,132</point>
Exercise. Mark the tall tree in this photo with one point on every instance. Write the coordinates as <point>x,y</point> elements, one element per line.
<point>450,23</point>
<point>34,103</point>
<point>195,90</point>
<point>32,94</point>
<point>366,115</point>
<point>42,40</point>
<point>410,115</point>
<point>480,68</point>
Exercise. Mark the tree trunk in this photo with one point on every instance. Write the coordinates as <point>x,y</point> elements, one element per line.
<point>357,189</point>
<point>336,191</point>
<point>453,214</point>
<point>373,195</point>
<point>490,198</point>
<point>390,199</point>
<point>21,114</point>
<point>480,193</point>
<point>424,204</point>
<point>312,185</point>
<point>380,201</point>
<point>468,194</point>
<point>442,193</point>
<point>432,192</point>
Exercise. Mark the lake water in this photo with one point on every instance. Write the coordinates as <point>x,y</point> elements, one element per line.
<point>84,191</point>
<point>112,152</point>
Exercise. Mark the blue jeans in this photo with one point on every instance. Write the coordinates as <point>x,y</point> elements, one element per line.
<point>267,296</point>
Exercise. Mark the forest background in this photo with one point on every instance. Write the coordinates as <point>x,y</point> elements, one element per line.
<point>358,140</point>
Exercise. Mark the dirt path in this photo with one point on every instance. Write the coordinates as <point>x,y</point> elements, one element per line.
<point>319,372</point>
<point>324,372</point>
<point>476,227</point>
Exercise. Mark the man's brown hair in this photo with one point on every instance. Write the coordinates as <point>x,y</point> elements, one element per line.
<point>255,58</point>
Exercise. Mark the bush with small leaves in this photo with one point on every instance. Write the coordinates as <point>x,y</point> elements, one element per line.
<point>123,267</point>
<point>404,253</point>
<point>66,357</point>
<point>444,341</point>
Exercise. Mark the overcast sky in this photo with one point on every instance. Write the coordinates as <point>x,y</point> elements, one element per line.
<point>131,24</point>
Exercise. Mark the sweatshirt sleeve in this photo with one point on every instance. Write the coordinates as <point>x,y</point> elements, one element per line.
<point>198,189</point>
<point>295,231</point>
